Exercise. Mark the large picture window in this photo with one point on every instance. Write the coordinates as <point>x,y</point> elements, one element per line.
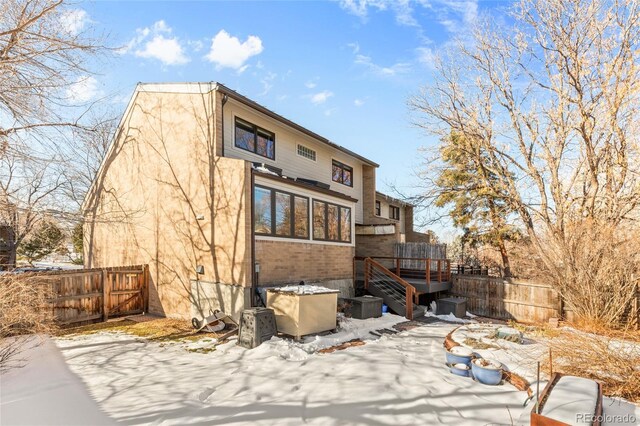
<point>280,213</point>
<point>341,173</point>
<point>255,139</point>
<point>331,222</point>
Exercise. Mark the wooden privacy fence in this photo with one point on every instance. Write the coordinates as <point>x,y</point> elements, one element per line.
<point>90,295</point>
<point>412,252</point>
<point>496,297</point>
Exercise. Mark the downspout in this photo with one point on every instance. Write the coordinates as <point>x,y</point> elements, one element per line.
<point>225,98</point>
<point>254,278</point>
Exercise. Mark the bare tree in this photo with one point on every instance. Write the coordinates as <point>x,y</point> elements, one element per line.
<point>553,101</point>
<point>43,53</point>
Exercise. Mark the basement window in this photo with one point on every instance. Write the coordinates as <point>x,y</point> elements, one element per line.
<point>252,138</point>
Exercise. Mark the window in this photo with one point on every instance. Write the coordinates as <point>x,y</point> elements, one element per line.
<point>280,214</point>
<point>342,173</point>
<point>262,210</point>
<point>254,139</point>
<point>305,152</point>
<point>394,212</point>
<point>331,222</point>
<point>377,208</point>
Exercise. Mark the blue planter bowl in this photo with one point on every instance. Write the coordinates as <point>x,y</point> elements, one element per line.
<point>464,372</point>
<point>458,359</point>
<point>486,376</point>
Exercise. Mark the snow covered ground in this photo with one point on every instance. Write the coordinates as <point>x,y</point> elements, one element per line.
<point>44,391</point>
<point>396,379</point>
<point>393,379</point>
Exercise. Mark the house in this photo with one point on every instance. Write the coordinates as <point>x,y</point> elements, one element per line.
<point>220,196</point>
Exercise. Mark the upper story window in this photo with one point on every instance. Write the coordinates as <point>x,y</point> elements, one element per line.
<point>377,208</point>
<point>255,139</point>
<point>394,212</point>
<point>342,173</point>
<point>305,152</point>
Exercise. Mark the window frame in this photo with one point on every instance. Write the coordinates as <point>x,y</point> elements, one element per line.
<point>393,209</point>
<point>343,167</point>
<point>378,208</point>
<point>292,202</point>
<point>339,218</point>
<point>256,129</point>
<point>315,153</point>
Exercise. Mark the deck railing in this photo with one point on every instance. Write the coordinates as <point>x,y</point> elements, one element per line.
<point>375,271</point>
<point>433,270</point>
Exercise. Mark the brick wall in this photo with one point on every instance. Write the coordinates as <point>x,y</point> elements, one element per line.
<point>283,262</point>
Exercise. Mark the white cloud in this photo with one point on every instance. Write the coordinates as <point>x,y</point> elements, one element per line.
<point>321,97</point>
<point>395,69</point>
<point>310,85</point>
<point>358,102</point>
<point>462,11</point>
<point>360,7</point>
<point>166,50</point>
<point>227,51</point>
<point>84,89</point>
<point>73,21</point>
<point>267,82</point>
<point>355,47</point>
<point>401,8</point>
<point>156,42</point>
<point>426,56</point>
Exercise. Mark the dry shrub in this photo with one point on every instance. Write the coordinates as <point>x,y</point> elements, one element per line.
<point>612,361</point>
<point>24,311</point>
<point>595,267</point>
<point>597,272</point>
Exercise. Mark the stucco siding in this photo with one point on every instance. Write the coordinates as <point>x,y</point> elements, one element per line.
<point>164,198</point>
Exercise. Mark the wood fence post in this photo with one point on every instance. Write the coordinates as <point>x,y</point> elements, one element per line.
<point>145,307</point>
<point>106,295</point>
<point>427,270</point>
<point>439,270</point>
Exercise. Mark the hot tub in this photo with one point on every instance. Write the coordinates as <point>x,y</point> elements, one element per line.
<point>303,309</point>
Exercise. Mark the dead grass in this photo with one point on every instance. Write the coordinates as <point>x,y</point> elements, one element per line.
<point>610,360</point>
<point>478,344</point>
<point>24,311</point>
<point>161,329</point>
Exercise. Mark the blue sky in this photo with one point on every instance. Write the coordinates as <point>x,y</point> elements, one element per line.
<point>343,69</point>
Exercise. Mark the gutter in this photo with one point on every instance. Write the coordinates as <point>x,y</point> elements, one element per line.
<point>243,99</point>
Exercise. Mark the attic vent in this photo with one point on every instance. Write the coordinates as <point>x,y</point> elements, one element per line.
<point>305,152</point>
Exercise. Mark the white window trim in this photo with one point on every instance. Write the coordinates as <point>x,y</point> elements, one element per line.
<point>315,153</point>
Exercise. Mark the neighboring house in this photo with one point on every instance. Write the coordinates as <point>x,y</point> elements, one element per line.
<point>7,254</point>
<point>389,222</point>
<point>220,195</point>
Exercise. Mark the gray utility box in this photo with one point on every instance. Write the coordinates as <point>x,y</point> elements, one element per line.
<point>257,325</point>
<point>452,305</point>
<point>363,307</point>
